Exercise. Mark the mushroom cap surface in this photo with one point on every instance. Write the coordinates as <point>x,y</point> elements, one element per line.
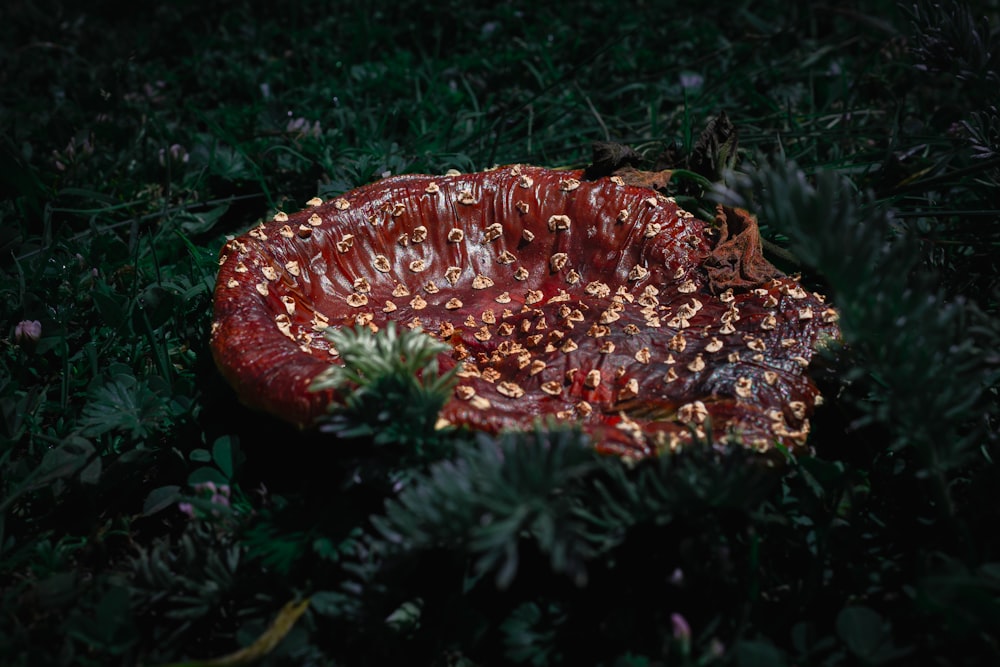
<point>598,302</point>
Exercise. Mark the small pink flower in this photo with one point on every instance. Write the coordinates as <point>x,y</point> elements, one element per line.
<point>186,508</point>
<point>27,331</point>
<point>301,127</point>
<point>206,486</point>
<point>176,154</point>
<point>690,80</point>
<point>682,631</point>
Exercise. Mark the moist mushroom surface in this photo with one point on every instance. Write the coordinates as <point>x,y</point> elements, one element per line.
<point>598,302</point>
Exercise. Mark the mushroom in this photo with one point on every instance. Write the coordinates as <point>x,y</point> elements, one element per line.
<point>595,301</point>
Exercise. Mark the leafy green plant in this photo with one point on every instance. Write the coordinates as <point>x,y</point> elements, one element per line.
<point>392,387</point>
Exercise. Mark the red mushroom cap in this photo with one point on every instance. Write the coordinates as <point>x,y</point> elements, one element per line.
<point>595,301</point>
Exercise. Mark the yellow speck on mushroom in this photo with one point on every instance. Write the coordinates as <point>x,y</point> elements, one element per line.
<point>510,390</point>
<point>284,325</point>
<point>552,388</point>
<point>795,292</point>
<point>630,390</point>
<point>597,289</point>
<point>480,403</point>
<point>482,282</point>
<point>638,272</point>
<point>695,412</point>
<point>357,300</point>
<point>344,244</point>
<point>533,296</point>
<point>559,223</point>
<point>609,316</point>
<point>697,364</point>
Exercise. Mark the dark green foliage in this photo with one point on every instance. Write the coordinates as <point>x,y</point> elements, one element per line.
<point>923,357</point>
<point>493,494</point>
<point>147,518</point>
<point>391,385</point>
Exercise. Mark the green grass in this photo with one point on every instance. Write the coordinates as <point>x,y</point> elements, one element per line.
<point>147,518</point>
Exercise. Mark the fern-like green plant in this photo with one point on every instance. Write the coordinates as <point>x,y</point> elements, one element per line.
<point>493,493</point>
<point>391,385</point>
<point>925,353</point>
<point>126,404</point>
